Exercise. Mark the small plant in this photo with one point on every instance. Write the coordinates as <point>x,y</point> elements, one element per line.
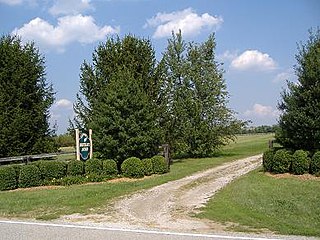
<point>30,176</point>
<point>147,166</point>
<point>8,178</point>
<point>72,180</point>
<point>93,166</point>
<point>109,167</point>
<point>300,162</point>
<point>281,161</point>
<point>75,168</point>
<point>267,160</point>
<point>132,167</point>
<point>315,164</point>
<point>93,177</point>
<point>159,164</point>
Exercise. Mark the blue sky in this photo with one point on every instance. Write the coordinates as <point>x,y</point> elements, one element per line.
<point>256,41</point>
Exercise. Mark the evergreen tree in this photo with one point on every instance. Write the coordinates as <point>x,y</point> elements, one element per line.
<point>196,118</point>
<point>25,99</point>
<point>120,92</point>
<point>300,105</point>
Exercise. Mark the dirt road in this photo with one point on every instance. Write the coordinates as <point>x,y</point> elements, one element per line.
<point>170,206</point>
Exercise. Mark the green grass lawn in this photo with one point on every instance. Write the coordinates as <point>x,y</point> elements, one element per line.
<point>52,203</point>
<point>259,201</point>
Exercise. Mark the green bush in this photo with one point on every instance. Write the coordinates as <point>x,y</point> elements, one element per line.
<point>132,167</point>
<point>267,160</point>
<point>72,180</point>
<point>315,163</point>
<point>8,178</point>
<point>281,161</point>
<point>93,166</point>
<point>52,169</point>
<point>109,167</point>
<point>147,166</point>
<point>300,162</point>
<point>94,177</point>
<point>159,164</point>
<point>30,176</point>
<point>75,168</point>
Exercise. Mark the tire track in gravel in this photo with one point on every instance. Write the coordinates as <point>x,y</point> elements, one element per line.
<point>170,205</point>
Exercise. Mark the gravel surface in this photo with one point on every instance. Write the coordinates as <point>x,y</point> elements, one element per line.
<point>169,207</point>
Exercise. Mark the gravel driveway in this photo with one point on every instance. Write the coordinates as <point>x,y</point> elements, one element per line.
<point>170,205</point>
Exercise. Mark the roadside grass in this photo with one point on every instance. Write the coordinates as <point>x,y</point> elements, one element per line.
<point>50,203</point>
<point>258,201</point>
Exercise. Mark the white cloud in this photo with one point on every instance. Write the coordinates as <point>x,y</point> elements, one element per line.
<point>253,60</point>
<point>261,111</point>
<point>69,29</point>
<point>70,7</point>
<point>284,76</point>
<point>11,2</point>
<point>227,56</point>
<point>189,22</point>
<point>63,103</point>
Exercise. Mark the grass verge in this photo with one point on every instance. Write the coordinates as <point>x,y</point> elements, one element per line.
<point>259,201</point>
<point>93,198</point>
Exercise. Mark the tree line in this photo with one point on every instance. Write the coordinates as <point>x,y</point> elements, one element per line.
<point>134,102</point>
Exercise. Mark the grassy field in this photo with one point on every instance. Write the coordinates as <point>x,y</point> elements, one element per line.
<point>47,203</point>
<point>259,201</point>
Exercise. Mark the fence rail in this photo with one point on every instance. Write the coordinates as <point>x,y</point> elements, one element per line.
<point>28,158</point>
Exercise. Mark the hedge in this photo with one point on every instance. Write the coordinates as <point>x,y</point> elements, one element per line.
<point>281,161</point>
<point>52,169</point>
<point>159,164</point>
<point>300,162</point>
<point>109,168</point>
<point>132,167</point>
<point>267,160</point>
<point>8,178</point>
<point>93,166</point>
<point>30,176</point>
<point>75,168</point>
<point>147,166</point>
<point>315,163</point>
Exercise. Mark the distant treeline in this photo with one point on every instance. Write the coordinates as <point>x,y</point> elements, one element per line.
<point>259,129</point>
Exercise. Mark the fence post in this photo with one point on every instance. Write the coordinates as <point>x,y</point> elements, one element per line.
<point>77,144</point>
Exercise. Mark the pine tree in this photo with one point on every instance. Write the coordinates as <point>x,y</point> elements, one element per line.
<point>120,92</point>
<point>300,119</point>
<point>25,99</point>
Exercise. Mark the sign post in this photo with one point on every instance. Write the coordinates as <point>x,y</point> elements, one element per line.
<point>84,144</point>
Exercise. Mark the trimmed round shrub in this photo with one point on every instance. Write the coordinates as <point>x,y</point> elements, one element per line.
<point>109,167</point>
<point>147,166</point>
<point>93,166</point>
<point>159,164</point>
<point>8,178</point>
<point>132,167</point>
<point>300,162</point>
<point>267,160</point>
<point>315,163</point>
<point>75,168</point>
<point>52,169</point>
<point>29,176</point>
<point>281,161</point>
<point>37,164</point>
